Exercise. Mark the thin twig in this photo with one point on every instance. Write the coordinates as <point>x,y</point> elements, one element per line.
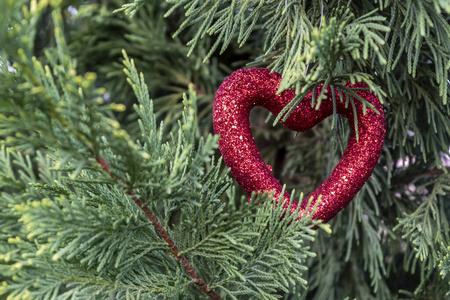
<point>414,177</point>
<point>200,283</point>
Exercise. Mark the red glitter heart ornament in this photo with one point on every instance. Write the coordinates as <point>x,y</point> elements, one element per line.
<point>245,89</point>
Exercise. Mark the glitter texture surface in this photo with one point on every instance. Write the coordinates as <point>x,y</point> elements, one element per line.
<point>245,89</point>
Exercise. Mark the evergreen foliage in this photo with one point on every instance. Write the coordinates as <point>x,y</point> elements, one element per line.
<point>105,193</point>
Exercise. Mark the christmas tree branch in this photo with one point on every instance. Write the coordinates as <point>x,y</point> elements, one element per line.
<point>199,282</point>
<point>410,179</point>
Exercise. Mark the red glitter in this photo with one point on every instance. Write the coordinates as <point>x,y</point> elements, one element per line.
<point>245,89</point>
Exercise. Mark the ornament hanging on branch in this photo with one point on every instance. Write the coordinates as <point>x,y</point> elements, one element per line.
<point>245,89</point>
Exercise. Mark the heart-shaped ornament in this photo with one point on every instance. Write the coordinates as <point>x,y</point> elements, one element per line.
<point>245,89</point>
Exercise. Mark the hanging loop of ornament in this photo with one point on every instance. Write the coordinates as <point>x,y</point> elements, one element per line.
<point>245,89</point>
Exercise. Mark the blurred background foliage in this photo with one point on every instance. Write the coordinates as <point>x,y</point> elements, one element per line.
<point>392,241</point>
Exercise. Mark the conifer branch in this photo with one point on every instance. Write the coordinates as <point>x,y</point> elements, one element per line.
<point>199,282</point>
<point>410,179</point>
<point>66,232</point>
